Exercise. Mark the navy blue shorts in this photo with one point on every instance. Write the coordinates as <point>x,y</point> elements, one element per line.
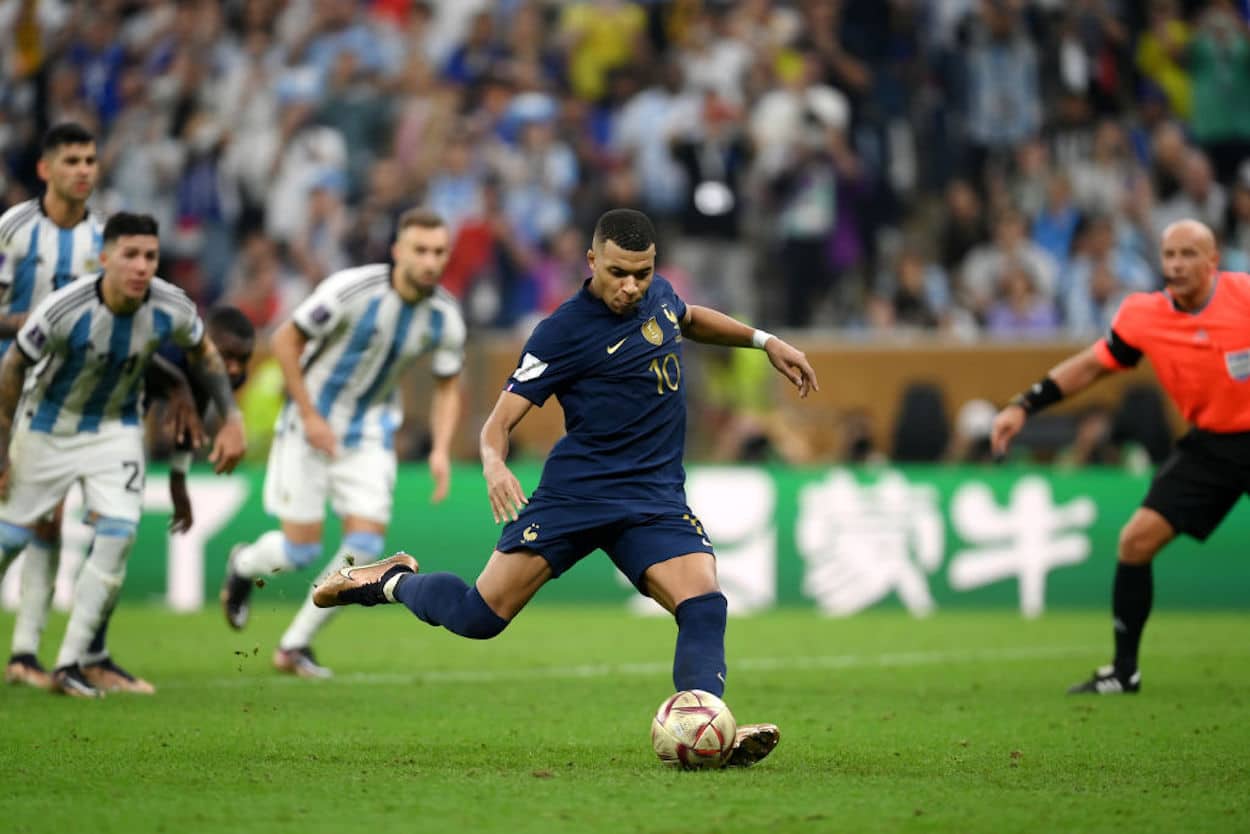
<point>563,531</point>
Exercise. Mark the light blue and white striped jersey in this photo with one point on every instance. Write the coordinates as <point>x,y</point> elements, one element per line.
<point>37,256</point>
<point>362,336</point>
<point>89,361</point>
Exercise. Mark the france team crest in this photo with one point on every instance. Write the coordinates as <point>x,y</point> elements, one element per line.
<point>652,333</point>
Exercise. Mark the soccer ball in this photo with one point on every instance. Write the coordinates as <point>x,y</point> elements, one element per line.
<point>693,729</point>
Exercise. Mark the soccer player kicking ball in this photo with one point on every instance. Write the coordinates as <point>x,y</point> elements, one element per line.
<point>612,354</point>
<point>81,419</point>
<point>1195,333</point>
<point>341,355</point>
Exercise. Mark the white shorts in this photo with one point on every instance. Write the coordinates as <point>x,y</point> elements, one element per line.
<point>359,482</point>
<point>109,464</point>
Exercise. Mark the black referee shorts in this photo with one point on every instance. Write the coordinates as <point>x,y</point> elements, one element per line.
<point>1196,487</point>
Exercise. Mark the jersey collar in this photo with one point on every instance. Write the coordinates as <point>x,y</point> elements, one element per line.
<point>86,212</point>
<point>99,293</point>
<point>1215,285</point>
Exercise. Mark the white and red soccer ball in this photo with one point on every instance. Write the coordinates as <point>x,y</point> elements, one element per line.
<point>693,729</point>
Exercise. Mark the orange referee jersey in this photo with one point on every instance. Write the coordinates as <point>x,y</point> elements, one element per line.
<point>1202,358</point>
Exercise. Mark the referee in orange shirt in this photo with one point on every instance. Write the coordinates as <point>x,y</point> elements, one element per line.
<point>1196,333</point>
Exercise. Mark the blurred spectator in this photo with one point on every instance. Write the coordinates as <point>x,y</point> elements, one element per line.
<point>489,265</point>
<point>1235,254</point>
<point>987,265</point>
<point>99,58</point>
<point>1161,55</point>
<point>1054,226</point>
<point>37,26</point>
<point>1004,103</point>
<point>1200,197</point>
<point>373,222</point>
<point>475,58</point>
<point>559,271</point>
<point>1098,278</point>
<point>1101,181</point>
<point>1219,60</point>
<point>539,176</point>
<point>317,247</point>
<point>963,225</point>
<point>1020,310</point>
<point>455,190</point>
<point>599,35</point>
<point>915,295</point>
<point>713,248</point>
<point>260,286</point>
<point>643,131</point>
<point>352,106</point>
<point>715,59</point>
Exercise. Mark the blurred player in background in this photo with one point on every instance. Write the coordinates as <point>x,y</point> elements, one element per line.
<point>1196,333</point>
<point>81,419</point>
<point>612,355</point>
<point>169,376</point>
<point>45,243</point>
<point>341,355</point>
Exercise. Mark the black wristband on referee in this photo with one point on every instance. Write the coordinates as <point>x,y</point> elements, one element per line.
<point>1043,393</point>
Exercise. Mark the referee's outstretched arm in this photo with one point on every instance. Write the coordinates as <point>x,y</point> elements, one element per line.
<point>1071,376</point>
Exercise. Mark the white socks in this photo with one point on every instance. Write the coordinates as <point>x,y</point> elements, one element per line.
<point>265,556</point>
<point>94,594</point>
<point>38,583</point>
<point>310,618</point>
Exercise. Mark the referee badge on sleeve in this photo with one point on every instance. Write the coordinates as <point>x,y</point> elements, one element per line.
<point>1238,364</point>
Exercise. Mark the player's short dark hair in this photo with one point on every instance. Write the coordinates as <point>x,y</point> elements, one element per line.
<point>629,229</point>
<point>422,217</point>
<point>231,320</point>
<point>66,133</point>
<point>124,223</point>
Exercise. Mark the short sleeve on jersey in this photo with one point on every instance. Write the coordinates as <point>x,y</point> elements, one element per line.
<point>549,361</point>
<point>189,331</point>
<point>448,357</point>
<point>1119,348</point>
<point>37,337</point>
<point>319,314</point>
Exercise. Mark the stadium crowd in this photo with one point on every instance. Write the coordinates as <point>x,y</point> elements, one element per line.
<point>981,167</point>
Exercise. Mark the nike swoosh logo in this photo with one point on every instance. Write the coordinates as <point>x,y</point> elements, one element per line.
<point>613,348</point>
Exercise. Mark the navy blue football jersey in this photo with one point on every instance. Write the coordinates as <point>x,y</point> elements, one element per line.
<point>619,381</point>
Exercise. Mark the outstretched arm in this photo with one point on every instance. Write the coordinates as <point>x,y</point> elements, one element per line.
<point>12,377</point>
<point>703,324</point>
<point>502,487</point>
<point>1071,376</point>
<point>208,372</point>
<point>444,414</point>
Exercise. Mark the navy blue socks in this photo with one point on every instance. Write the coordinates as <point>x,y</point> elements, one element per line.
<point>444,599</point>
<point>699,661</point>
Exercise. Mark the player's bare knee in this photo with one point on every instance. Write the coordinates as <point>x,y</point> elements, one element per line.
<point>1138,544</point>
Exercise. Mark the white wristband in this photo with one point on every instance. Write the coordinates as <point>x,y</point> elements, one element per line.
<point>760,338</point>
<point>180,462</point>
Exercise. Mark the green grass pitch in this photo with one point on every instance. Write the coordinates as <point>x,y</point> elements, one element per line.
<point>957,723</point>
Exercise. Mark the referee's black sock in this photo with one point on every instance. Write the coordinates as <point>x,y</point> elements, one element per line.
<point>1130,604</point>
